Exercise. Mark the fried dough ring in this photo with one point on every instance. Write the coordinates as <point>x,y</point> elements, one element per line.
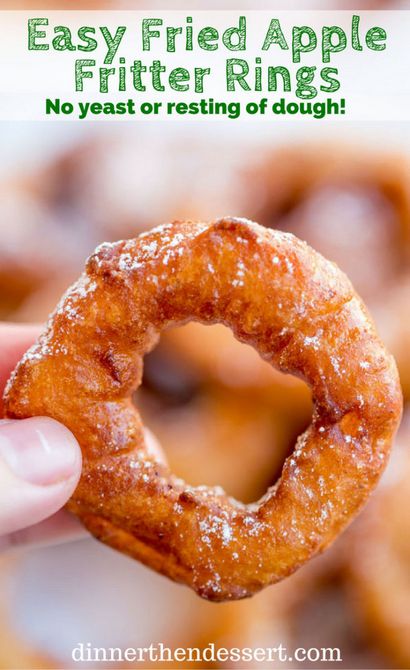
<point>302,315</point>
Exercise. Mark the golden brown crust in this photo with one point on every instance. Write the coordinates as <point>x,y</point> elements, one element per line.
<point>302,315</point>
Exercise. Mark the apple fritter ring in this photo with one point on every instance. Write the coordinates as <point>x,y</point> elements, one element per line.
<point>301,314</point>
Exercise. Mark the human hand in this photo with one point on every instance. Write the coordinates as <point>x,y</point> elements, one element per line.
<point>40,463</point>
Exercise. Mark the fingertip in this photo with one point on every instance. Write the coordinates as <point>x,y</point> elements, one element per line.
<point>40,450</point>
<point>40,465</point>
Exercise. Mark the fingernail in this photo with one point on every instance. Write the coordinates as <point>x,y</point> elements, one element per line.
<point>39,450</point>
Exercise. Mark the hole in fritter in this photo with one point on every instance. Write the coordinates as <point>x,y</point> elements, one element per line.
<point>223,416</point>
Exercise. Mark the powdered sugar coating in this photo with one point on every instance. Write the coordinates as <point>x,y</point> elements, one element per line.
<point>301,314</point>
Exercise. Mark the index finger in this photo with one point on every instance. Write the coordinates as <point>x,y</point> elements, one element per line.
<point>15,339</point>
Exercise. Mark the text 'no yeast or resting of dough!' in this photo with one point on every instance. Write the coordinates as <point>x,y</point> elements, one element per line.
<point>203,107</point>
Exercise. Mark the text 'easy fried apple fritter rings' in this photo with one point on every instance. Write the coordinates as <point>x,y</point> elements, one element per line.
<point>300,312</point>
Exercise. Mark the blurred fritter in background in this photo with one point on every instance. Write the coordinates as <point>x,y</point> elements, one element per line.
<point>222,415</point>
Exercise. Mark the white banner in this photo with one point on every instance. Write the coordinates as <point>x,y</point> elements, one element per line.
<point>255,65</point>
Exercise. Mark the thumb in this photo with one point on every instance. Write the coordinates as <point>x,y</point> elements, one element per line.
<point>40,465</point>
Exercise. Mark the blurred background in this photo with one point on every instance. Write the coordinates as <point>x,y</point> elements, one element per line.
<point>222,415</point>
